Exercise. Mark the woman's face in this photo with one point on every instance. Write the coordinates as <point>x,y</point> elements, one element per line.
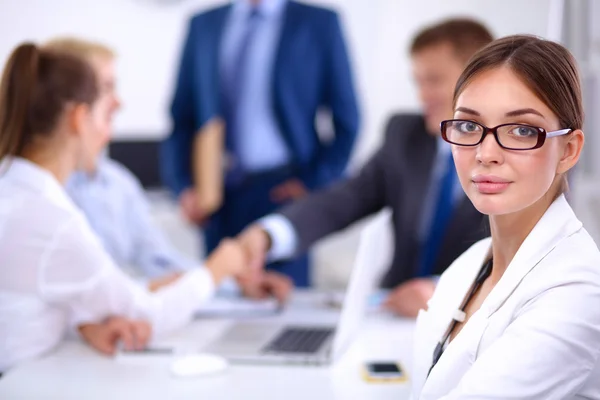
<point>499,181</point>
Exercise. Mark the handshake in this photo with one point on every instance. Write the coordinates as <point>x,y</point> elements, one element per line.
<point>244,258</point>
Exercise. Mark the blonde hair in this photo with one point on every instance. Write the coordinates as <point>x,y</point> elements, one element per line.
<point>81,48</point>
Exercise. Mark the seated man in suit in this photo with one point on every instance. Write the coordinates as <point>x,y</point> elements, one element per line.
<point>412,173</point>
<point>114,202</point>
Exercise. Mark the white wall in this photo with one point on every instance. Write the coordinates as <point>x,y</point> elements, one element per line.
<point>147,35</point>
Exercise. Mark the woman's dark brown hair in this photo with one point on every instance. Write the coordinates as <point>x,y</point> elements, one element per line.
<point>36,86</point>
<point>547,68</point>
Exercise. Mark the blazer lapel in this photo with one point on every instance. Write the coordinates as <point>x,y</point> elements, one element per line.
<point>208,63</point>
<point>462,282</point>
<point>419,153</point>
<point>291,20</point>
<point>557,223</point>
<point>433,324</point>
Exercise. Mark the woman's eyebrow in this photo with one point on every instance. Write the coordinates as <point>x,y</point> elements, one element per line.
<point>467,111</point>
<point>515,113</point>
<point>524,111</point>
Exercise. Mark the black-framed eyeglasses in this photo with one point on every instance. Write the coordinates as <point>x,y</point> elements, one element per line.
<point>462,132</point>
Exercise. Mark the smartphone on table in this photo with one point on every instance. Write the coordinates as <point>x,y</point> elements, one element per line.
<point>383,372</point>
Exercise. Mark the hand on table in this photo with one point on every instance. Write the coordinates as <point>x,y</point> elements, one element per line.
<point>265,284</point>
<point>408,298</point>
<point>105,336</point>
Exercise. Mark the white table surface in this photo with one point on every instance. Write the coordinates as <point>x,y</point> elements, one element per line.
<point>74,371</point>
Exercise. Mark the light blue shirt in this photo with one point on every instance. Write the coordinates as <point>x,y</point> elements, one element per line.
<point>284,237</point>
<point>261,146</point>
<point>116,207</point>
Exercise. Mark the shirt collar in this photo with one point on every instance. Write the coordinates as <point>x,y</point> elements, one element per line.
<point>35,178</point>
<point>80,177</point>
<point>267,8</point>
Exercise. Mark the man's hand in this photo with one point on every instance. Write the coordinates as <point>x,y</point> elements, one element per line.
<point>188,201</point>
<point>228,259</point>
<point>105,336</point>
<point>408,298</point>
<point>256,243</point>
<point>266,284</point>
<point>291,189</point>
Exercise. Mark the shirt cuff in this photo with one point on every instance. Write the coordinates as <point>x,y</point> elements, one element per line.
<point>201,283</point>
<point>284,238</point>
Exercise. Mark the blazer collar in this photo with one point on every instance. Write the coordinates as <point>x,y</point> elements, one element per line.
<point>557,223</point>
<point>291,20</point>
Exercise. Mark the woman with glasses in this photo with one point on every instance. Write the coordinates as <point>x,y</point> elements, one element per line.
<point>517,316</point>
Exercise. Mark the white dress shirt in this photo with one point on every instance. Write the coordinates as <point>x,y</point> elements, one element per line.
<point>536,335</point>
<point>54,273</point>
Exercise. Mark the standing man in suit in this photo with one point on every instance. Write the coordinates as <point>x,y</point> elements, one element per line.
<point>264,67</point>
<point>412,173</point>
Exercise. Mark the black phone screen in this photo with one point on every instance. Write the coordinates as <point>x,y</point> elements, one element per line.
<point>383,368</point>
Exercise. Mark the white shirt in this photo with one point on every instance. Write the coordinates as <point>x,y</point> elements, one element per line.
<point>536,335</point>
<point>55,274</point>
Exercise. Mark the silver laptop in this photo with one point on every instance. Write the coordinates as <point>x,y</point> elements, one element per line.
<point>308,344</point>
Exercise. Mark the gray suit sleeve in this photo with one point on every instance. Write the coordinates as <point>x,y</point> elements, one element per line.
<point>344,203</point>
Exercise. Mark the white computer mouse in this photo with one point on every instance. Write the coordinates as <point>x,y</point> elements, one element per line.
<point>197,365</point>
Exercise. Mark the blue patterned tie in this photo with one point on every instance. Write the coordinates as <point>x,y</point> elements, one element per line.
<point>234,92</point>
<point>439,222</point>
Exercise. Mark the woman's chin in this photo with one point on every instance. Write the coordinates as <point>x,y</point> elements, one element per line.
<point>487,204</point>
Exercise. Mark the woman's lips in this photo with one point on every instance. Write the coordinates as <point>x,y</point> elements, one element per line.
<point>490,184</point>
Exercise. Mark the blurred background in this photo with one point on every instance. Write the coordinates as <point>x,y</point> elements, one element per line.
<point>147,36</point>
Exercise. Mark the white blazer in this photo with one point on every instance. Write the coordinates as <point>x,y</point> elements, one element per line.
<point>537,334</point>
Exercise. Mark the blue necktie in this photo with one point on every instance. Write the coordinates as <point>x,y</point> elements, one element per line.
<point>234,93</point>
<point>439,221</point>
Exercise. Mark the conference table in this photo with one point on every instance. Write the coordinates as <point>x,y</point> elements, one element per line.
<point>74,371</point>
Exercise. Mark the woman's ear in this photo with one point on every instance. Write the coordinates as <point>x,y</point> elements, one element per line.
<point>77,116</point>
<point>571,151</point>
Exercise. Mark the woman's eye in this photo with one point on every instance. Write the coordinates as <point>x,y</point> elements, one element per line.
<point>468,127</point>
<point>523,131</point>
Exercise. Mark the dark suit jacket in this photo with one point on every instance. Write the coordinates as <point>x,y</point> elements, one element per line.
<point>311,70</point>
<point>397,176</point>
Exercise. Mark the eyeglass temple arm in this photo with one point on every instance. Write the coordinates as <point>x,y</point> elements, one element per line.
<point>558,133</point>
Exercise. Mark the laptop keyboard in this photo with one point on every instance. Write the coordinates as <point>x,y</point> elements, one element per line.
<point>298,340</point>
